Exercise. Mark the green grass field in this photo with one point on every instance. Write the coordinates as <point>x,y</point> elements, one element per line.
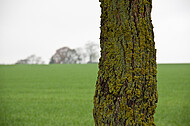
<point>62,95</point>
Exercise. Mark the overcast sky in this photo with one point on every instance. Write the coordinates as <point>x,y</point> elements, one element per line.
<point>42,26</point>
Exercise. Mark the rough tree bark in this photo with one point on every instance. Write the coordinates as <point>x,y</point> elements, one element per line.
<point>126,88</point>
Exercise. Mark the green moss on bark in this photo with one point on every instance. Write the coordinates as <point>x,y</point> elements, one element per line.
<point>126,88</point>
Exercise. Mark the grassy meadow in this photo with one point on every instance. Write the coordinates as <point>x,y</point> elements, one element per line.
<point>62,95</point>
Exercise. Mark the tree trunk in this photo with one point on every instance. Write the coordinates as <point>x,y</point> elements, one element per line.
<point>126,88</point>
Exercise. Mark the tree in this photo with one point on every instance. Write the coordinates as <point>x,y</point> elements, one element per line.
<point>65,55</point>
<point>126,88</point>
<point>81,55</point>
<point>32,59</point>
<point>92,51</point>
<point>22,61</point>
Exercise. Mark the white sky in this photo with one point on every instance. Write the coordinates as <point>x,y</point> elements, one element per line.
<point>42,26</point>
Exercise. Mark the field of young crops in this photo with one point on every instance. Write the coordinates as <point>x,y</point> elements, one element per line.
<point>62,95</point>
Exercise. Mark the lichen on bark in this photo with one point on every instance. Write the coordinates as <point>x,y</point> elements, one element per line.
<point>126,87</point>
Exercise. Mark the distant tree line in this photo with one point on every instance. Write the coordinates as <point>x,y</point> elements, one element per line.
<point>32,59</point>
<point>66,55</point>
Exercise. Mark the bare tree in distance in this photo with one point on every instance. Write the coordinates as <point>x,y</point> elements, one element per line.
<point>22,61</point>
<point>81,55</point>
<point>65,55</point>
<point>32,59</point>
<point>92,50</point>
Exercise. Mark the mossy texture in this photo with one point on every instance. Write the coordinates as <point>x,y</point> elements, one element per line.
<point>126,88</point>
